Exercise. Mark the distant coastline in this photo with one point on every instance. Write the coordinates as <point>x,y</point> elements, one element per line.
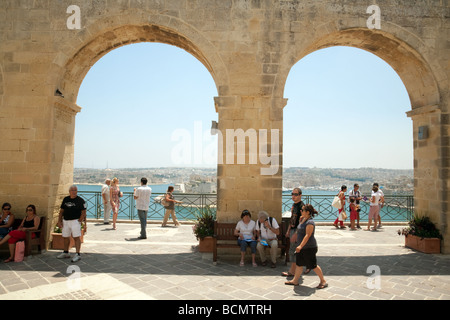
<point>392,181</point>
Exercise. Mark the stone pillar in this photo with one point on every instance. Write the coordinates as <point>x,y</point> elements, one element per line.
<point>429,191</point>
<point>250,164</point>
<point>62,165</point>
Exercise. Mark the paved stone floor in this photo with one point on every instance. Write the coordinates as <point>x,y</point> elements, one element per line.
<point>167,266</point>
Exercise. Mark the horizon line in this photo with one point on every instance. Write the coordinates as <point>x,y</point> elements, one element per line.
<point>211,168</point>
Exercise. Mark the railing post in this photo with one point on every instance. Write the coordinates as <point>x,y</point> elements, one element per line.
<point>99,205</point>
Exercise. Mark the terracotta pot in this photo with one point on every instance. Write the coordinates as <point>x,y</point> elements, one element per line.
<point>425,245</point>
<point>58,241</point>
<point>206,244</point>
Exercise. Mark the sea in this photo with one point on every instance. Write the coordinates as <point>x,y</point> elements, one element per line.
<point>397,208</point>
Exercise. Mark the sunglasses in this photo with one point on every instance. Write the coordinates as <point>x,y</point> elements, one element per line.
<point>7,209</point>
<point>295,194</point>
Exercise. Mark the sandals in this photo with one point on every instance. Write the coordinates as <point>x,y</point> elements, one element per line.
<point>322,285</point>
<point>286,274</point>
<point>290,283</point>
<point>9,260</point>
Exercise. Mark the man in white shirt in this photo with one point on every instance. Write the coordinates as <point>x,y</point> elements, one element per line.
<point>106,201</point>
<point>267,229</point>
<point>142,196</point>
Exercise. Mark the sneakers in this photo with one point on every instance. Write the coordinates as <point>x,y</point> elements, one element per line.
<point>76,257</point>
<point>66,255</point>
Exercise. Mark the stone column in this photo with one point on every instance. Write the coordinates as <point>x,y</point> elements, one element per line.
<point>250,164</point>
<point>63,131</point>
<point>429,173</point>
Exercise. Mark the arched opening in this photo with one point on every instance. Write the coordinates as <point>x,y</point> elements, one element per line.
<point>349,103</point>
<point>188,117</point>
<point>415,74</point>
<point>149,105</point>
<point>346,123</point>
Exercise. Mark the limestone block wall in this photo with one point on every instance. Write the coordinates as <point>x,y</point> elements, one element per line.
<point>249,47</point>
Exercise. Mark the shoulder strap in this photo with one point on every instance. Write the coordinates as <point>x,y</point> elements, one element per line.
<point>270,221</point>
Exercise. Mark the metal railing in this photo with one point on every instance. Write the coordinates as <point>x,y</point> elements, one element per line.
<point>396,208</point>
<point>187,210</point>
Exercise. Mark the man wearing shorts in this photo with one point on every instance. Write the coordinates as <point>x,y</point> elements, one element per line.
<point>71,214</point>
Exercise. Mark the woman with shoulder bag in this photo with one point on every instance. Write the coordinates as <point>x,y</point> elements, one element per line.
<point>341,217</point>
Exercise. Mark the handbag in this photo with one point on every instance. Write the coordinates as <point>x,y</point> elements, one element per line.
<point>336,203</point>
<point>344,215</point>
<point>20,251</point>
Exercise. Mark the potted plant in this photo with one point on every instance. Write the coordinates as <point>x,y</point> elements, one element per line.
<point>422,235</point>
<point>204,228</point>
<point>58,241</point>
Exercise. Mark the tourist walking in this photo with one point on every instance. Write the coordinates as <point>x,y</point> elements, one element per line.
<point>6,220</point>
<point>142,196</point>
<point>245,231</point>
<point>29,223</point>
<point>267,230</point>
<point>170,208</point>
<point>71,214</point>
<point>356,194</point>
<point>374,208</point>
<point>381,203</point>
<point>340,219</point>
<point>307,250</point>
<point>106,201</point>
<point>291,233</point>
<point>115,195</point>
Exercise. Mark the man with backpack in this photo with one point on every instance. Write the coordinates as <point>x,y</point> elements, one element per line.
<point>267,229</point>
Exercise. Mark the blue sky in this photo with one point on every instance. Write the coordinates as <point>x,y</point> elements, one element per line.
<point>143,102</point>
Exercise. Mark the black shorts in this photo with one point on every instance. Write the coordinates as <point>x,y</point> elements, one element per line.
<point>307,258</point>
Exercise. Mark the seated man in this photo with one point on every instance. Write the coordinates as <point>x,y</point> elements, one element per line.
<point>267,229</point>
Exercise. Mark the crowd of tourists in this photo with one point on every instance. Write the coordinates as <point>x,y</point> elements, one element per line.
<point>259,235</point>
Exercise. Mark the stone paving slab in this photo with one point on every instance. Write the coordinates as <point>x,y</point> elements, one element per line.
<point>167,266</point>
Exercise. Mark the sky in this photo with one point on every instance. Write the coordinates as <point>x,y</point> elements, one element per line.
<point>151,105</point>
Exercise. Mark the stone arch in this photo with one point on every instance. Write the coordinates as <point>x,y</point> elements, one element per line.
<point>99,38</point>
<point>109,39</point>
<point>424,81</point>
<point>415,72</point>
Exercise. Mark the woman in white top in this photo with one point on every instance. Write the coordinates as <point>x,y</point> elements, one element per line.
<point>374,208</point>
<point>245,231</point>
